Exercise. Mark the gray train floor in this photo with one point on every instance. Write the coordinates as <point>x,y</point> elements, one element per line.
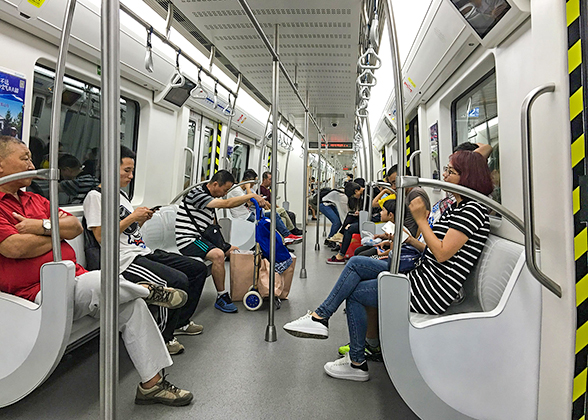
<point>232,371</point>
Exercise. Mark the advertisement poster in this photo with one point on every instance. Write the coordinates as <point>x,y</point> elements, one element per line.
<point>12,96</point>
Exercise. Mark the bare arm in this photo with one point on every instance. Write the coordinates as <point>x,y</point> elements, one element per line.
<point>140,215</point>
<point>30,242</point>
<point>379,196</point>
<point>229,203</point>
<point>484,149</point>
<point>441,249</point>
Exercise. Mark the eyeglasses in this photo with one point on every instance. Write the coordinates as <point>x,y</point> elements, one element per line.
<point>449,170</point>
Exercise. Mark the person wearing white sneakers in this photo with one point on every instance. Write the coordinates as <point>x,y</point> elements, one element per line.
<point>451,249</point>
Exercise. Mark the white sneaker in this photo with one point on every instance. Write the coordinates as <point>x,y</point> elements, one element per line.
<point>307,327</point>
<point>342,369</point>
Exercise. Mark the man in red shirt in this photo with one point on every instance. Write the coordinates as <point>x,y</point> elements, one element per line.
<point>25,245</point>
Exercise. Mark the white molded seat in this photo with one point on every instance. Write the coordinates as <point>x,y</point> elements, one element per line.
<point>34,337</point>
<point>483,363</point>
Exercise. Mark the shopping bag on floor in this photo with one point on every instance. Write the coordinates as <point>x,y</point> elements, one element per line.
<point>264,275</point>
<point>287,278</point>
<point>242,268</point>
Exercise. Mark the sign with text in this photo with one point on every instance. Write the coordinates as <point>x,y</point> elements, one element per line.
<point>12,96</point>
<point>332,145</point>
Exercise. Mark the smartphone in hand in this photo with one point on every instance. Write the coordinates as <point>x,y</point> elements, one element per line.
<point>155,208</point>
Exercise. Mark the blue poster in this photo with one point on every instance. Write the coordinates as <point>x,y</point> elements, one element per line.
<point>12,97</point>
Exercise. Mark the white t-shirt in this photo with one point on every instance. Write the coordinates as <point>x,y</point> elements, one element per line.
<point>131,241</point>
<point>239,212</point>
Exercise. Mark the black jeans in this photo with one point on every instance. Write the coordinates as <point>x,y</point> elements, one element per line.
<point>347,236</point>
<point>173,270</point>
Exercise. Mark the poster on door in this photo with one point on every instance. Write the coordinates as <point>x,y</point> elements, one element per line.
<point>12,99</point>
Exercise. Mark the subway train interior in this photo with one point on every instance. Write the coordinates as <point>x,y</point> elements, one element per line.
<point>309,92</point>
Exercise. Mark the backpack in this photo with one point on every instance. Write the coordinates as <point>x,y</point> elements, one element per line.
<point>263,236</point>
<point>324,191</point>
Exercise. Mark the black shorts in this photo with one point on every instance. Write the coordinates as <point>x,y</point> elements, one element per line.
<point>198,248</point>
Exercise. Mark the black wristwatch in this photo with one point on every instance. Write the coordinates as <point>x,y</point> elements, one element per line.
<point>46,226</point>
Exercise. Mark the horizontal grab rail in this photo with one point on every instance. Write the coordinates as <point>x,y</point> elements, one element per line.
<point>39,173</point>
<point>413,181</point>
<point>187,190</point>
<point>243,183</point>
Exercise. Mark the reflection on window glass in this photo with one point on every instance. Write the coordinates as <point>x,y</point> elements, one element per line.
<point>475,120</point>
<point>79,146</point>
<point>239,159</point>
<point>482,15</point>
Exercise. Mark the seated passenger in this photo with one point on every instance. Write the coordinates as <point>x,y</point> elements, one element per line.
<point>244,213</point>
<point>139,264</point>
<point>288,217</point>
<point>195,215</point>
<point>451,249</point>
<point>74,185</point>
<point>25,245</point>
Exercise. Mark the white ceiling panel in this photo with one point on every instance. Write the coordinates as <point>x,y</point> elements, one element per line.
<point>322,42</point>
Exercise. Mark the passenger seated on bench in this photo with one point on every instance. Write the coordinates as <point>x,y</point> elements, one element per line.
<point>198,207</point>
<point>244,213</point>
<point>139,264</point>
<point>451,250</point>
<point>25,245</point>
<point>288,217</point>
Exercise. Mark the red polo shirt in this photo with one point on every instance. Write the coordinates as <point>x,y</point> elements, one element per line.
<point>21,277</point>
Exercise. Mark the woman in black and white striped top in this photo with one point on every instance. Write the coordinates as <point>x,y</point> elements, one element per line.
<point>455,242</point>
<point>451,249</point>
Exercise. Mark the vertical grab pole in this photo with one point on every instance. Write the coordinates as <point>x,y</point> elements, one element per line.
<point>305,200</point>
<point>317,245</point>
<point>263,143</point>
<point>110,115</point>
<point>270,331</point>
<point>401,134</point>
<point>55,130</point>
<point>370,149</point>
<point>326,178</point>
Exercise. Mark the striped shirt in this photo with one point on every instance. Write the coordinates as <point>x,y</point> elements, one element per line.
<point>435,285</point>
<point>197,200</point>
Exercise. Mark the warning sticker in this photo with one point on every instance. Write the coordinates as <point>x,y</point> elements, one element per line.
<point>36,3</point>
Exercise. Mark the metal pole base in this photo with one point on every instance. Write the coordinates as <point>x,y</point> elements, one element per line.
<point>303,273</point>
<point>324,233</point>
<point>271,334</point>
<point>317,247</point>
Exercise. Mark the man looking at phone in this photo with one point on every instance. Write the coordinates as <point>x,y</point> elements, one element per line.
<point>140,264</point>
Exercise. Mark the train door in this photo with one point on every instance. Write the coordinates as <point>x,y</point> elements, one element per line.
<point>207,154</point>
<point>192,149</point>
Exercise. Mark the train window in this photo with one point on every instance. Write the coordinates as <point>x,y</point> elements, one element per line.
<point>475,120</point>
<point>79,147</point>
<point>239,159</point>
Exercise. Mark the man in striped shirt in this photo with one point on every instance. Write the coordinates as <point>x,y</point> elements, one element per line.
<point>195,215</point>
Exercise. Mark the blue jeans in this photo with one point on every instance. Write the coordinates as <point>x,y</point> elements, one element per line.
<point>333,215</point>
<point>357,270</point>
<point>365,294</point>
<point>280,226</point>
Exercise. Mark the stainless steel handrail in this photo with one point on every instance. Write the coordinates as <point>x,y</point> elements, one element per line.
<point>56,128</point>
<point>401,135</point>
<point>270,331</point>
<point>411,159</point>
<point>110,155</point>
<point>39,173</point>
<point>192,169</point>
<point>303,273</point>
<point>530,245</point>
<point>529,219</point>
<point>413,181</point>
<point>187,190</point>
<point>242,183</point>
<point>370,150</point>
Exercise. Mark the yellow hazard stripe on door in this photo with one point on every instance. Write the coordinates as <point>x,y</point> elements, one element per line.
<point>218,147</point>
<point>576,71</point>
